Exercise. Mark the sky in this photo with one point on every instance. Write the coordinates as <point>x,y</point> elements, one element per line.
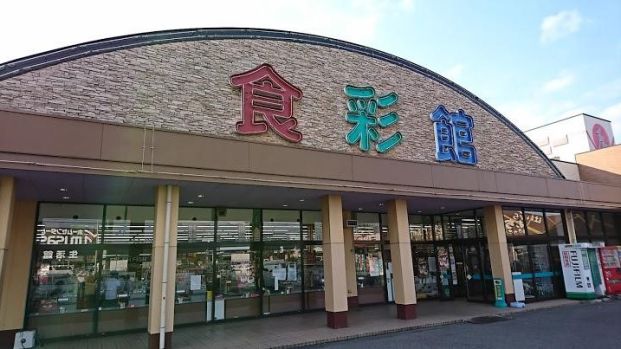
<point>535,61</point>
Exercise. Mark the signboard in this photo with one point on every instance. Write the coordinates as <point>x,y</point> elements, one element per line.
<point>55,231</point>
<point>577,272</point>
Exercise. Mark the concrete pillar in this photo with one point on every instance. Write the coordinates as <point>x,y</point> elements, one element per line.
<point>17,230</point>
<point>350,263</point>
<point>497,245</point>
<point>7,199</point>
<point>401,253</point>
<point>334,261</point>
<point>571,228</point>
<point>157,266</point>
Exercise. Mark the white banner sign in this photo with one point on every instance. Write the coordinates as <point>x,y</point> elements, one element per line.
<point>576,271</point>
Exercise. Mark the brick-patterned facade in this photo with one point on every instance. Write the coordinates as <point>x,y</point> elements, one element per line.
<point>184,86</point>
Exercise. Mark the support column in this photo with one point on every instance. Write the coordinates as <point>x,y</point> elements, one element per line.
<point>16,234</point>
<point>401,254</point>
<point>7,199</point>
<point>162,294</point>
<point>334,261</point>
<point>571,228</point>
<point>350,263</point>
<point>497,245</point>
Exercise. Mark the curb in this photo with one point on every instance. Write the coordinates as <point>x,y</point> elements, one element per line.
<point>415,327</point>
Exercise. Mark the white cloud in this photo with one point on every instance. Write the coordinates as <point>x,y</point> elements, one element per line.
<point>560,25</point>
<point>454,72</point>
<point>407,5</point>
<point>564,79</point>
<point>534,112</point>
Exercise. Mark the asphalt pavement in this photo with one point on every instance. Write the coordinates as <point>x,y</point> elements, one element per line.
<point>586,325</point>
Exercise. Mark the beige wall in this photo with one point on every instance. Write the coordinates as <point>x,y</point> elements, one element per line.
<point>602,166</point>
<point>185,86</point>
<point>42,143</point>
<point>14,289</point>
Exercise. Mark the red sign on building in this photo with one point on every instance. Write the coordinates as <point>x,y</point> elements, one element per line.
<point>267,102</point>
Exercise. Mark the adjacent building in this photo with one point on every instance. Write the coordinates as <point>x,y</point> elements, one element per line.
<point>563,139</point>
<point>197,176</point>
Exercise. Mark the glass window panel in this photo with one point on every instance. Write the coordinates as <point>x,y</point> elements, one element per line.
<point>64,279</point>
<point>520,267</point>
<point>129,224</point>
<point>368,228</point>
<point>534,222</point>
<point>540,258</point>
<point>282,279</point>
<point>72,224</point>
<point>514,222</point>
<point>195,225</point>
<point>518,257</point>
<point>237,284</point>
<point>449,223</point>
<point>312,225</point>
<point>479,222</point>
<point>238,225</point>
<point>465,225</point>
<point>609,225</point>
<point>437,227</point>
<point>425,271</point>
<point>313,277</point>
<point>281,225</point>
<point>580,225</point>
<point>428,228</point>
<point>416,228</point>
<point>125,277</point>
<point>554,221</point>
<point>194,284</point>
<point>384,227</point>
<point>595,224</point>
<point>529,288</point>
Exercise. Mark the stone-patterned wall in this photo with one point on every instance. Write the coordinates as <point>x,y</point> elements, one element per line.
<point>185,86</point>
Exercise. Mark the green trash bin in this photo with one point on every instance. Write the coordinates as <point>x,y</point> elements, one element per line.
<point>499,292</point>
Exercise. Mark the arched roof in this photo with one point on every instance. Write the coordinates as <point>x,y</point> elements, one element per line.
<point>38,61</point>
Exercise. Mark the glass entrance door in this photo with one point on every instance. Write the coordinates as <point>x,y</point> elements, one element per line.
<point>445,271</point>
<point>473,275</point>
<point>369,273</point>
<point>425,271</point>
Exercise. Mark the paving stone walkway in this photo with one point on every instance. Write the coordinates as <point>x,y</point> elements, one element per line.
<point>305,329</point>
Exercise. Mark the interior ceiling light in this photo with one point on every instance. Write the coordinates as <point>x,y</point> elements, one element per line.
<point>285,205</point>
<point>190,202</point>
<point>200,196</point>
<point>63,189</point>
<point>66,197</point>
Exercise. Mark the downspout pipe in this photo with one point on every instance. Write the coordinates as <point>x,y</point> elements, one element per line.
<point>165,267</point>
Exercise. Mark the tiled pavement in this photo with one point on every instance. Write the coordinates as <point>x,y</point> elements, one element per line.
<point>309,328</point>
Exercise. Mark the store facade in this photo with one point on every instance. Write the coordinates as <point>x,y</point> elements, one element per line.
<point>172,178</point>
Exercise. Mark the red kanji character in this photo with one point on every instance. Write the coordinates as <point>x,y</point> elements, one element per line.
<point>267,94</point>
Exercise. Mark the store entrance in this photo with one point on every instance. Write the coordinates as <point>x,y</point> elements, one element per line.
<point>370,273</point>
<point>451,270</point>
